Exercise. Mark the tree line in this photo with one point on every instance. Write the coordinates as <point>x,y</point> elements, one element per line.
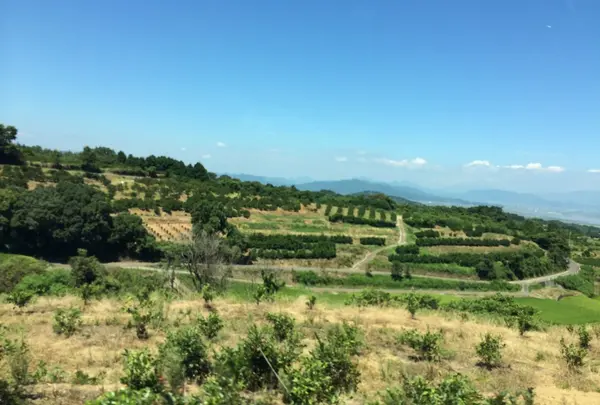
<point>372,241</point>
<point>461,242</point>
<point>378,223</point>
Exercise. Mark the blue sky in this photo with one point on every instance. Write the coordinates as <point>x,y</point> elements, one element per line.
<point>388,90</point>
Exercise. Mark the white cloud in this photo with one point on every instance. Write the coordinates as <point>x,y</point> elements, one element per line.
<point>341,159</point>
<point>207,156</point>
<point>479,163</point>
<point>594,171</point>
<point>221,145</point>
<point>534,166</point>
<point>183,149</point>
<point>416,162</point>
<point>548,26</point>
<point>537,167</point>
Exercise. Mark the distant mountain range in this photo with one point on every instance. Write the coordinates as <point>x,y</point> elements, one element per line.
<point>578,206</point>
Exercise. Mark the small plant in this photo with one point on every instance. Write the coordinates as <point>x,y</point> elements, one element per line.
<point>18,362</point>
<point>143,313</point>
<point>210,326</point>
<point>283,325</point>
<point>87,292</point>
<point>271,283</point>
<point>67,321</point>
<point>573,354</point>
<point>489,350</point>
<point>82,378</point>
<point>309,384</point>
<point>217,390</point>
<point>208,295</point>
<point>584,337</point>
<point>140,369</point>
<point>19,298</point>
<point>311,302</point>
<point>259,294</point>
<point>525,322</point>
<point>172,368</point>
<point>427,345</point>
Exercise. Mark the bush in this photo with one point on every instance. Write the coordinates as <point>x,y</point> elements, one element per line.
<point>53,282</point>
<point>311,302</point>
<point>283,325</point>
<point>454,389</point>
<point>66,321</point>
<point>13,268</point>
<point>186,342</point>
<point>210,326</point>
<point>140,369</point>
<point>584,337</point>
<point>372,241</point>
<point>577,282</point>
<point>489,349</point>
<point>427,345</point>
<point>574,355</point>
<point>85,269</point>
<point>19,298</point>
<point>256,359</point>
<point>143,313</point>
<point>309,384</point>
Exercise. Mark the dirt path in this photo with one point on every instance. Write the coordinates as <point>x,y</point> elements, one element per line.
<point>372,254</point>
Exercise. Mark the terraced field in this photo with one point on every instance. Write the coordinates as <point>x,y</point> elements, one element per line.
<point>172,228</point>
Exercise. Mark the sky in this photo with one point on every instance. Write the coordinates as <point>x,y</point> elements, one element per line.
<point>463,93</point>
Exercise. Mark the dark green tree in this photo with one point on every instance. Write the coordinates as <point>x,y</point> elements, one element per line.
<point>9,153</point>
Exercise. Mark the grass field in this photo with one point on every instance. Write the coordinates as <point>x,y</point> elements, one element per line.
<point>569,310</point>
<point>97,348</point>
<point>438,250</point>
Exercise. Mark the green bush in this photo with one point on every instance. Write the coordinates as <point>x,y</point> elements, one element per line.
<point>53,282</point>
<point>309,384</point>
<point>283,325</point>
<point>584,337</point>
<point>489,350</point>
<point>140,370</point>
<point>574,355</point>
<point>13,268</point>
<point>188,344</point>
<point>337,360</point>
<point>67,321</point>
<point>210,326</point>
<point>256,359</point>
<point>454,389</point>
<point>311,302</point>
<point>426,345</point>
<point>577,282</point>
<point>19,298</point>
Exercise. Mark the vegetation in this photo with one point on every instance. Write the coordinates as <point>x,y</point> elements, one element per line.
<point>372,241</point>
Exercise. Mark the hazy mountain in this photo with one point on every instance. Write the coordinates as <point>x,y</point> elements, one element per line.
<point>276,181</point>
<point>354,186</point>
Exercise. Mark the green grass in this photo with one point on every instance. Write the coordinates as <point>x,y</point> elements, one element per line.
<point>567,311</point>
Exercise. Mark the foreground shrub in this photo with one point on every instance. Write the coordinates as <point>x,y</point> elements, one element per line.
<point>187,343</point>
<point>283,325</point>
<point>309,384</point>
<point>140,369</point>
<point>584,337</point>
<point>573,354</point>
<point>453,390</point>
<point>427,345</point>
<point>210,326</point>
<point>144,312</point>
<point>19,298</point>
<point>67,321</point>
<point>256,360</point>
<point>52,282</point>
<point>489,349</point>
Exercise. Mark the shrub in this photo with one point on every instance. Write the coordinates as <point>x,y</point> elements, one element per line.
<point>85,269</point>
<point>525,322</point>
<point>187,343</point>
<point>67,321</point>
<point>143,313</point>
<point>311,302</point>
<point>372,241</point>
<point>53,282</point>
<point>584,337</point>
<point>208,295</point>
<point>19,298</point>
<point>489,349</point>
<point>309,384</point>
<point>427,345</point>
<point>221,391</point>
<point>256,359</point>
<point>577,282</point>
<point>82,378</point>
<point>13,268</point>
<point>140,369</point>
<point>337,361</point>
<point>283,325</point>
<point>454,389</point>
<point>18,362</point>
<point>210,326</point>
<point>573,354</point>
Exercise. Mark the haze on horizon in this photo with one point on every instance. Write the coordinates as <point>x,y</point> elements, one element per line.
<point>465,94</point>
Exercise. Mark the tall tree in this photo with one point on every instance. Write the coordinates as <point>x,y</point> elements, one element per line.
<point>9,153</point>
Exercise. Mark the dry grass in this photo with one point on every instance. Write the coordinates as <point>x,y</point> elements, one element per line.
<point>531,361</point>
